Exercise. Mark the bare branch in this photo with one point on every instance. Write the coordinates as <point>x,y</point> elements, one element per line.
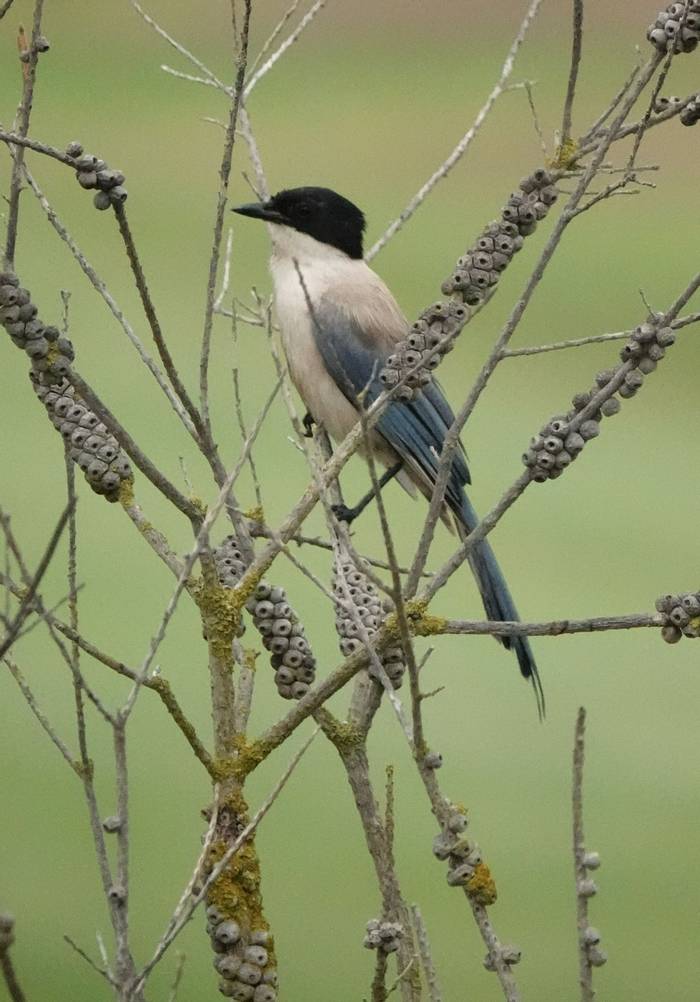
<point>23,115</point>
<point>576,46</point>
<point>224,174</point>
<point>7,938</point>
<point>466,140</point>
<point>280,51</point>
<point>216,872</point>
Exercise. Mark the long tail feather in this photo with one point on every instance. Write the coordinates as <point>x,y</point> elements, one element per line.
<point>498,602</point>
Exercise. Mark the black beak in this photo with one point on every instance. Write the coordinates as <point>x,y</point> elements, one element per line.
<point>260,210</point>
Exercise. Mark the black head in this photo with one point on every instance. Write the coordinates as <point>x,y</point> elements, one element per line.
<point>321,213</point>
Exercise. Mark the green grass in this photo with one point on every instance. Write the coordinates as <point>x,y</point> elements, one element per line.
<point>370,111</point>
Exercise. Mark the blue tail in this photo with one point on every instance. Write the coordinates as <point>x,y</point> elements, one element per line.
<point>497,600</point>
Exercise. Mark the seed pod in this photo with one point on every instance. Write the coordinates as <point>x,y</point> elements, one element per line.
<point>591,860</point>
<point>591,936</point>
<point>249,974</point>
<point>589,429</point>
<point>101,200</point>
<point>228,932</point>
<point>611,406</point>
<point>87,179</point>
<point>433,760</point>
<point>596,956</point>
<point>265,993</point>
<point>586,888</point>
<point>228,965</point>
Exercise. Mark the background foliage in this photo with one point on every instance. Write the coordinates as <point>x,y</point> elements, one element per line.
<point>368,102</point>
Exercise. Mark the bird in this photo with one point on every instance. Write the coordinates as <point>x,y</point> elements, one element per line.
<point>339,323</point>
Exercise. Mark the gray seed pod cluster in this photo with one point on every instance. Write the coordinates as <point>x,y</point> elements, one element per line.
<point>587,888</point>
<point>90,444</point>
<point>677,28</point>
<point>481,266</point>
<point>562,439</point>
<point>242,962</point>
<point>368,608</point>
<point>436,328</point>
<point>476,272</point>
<point>283,635</point>
<point>690,115</point>
<point>94,174</point>
<point>50,354</point>
<point>461,854</point>
<point>682,613</point>
<point>384,936</point>
<point>508,953</point>
<point>230,566</point>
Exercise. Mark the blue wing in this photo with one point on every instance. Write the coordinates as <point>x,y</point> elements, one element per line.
<point>415,430</point>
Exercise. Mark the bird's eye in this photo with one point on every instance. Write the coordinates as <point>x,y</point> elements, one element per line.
<point>304,209</point>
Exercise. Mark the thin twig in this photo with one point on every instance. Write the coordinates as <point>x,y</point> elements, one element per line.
<point>213,876</point>
<point>466,140</point>
<point>179,971</point>
<point>224,174</point>
<point>280,51</point>
<point>38,712</point>
<point>28,597</point>
<point>576,46</point>
<point>154,323</point>
<point>108,299</point>
<point>579,847</point>
<point>426,956</point>
<point>134,451</point>
<point>691,318</point>
<point>22,128</point>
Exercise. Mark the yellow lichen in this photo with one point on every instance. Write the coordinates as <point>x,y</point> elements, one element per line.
<point>245,758</point>
<point>126,497</point>
<point>481,886</point>
<point>566,154</point>
<point>220,609</point>
<point>236,892</point>
<point>198,503</point>
<point>255,514</point>
<point>429,626</point>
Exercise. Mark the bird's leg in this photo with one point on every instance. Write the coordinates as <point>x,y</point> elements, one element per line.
<point>309,421</point>
<point>345,514</point>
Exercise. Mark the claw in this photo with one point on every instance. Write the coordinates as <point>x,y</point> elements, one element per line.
<point>343,513</point>
<point>309,421</point>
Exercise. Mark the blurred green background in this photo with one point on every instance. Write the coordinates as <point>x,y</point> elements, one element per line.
<point>369,101</point>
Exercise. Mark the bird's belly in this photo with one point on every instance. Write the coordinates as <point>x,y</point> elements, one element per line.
<point>316,388</point>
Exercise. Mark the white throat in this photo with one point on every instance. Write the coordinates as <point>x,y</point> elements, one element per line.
<point>289,244</point>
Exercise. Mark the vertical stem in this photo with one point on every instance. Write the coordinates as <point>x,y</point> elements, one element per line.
<point>23,116</point>
<point>224,174</point>
<point>356,764</point>
<point>585,968</point>
<point>576,46</point>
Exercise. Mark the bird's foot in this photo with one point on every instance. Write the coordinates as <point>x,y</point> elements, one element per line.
<point>344,514</point>
<point>309,421</point>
